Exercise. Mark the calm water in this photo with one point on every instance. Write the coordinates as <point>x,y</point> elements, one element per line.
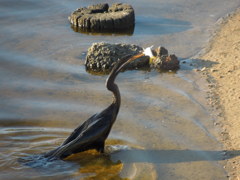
<point>164,129</point>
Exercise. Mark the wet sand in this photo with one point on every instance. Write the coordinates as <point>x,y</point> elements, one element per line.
<point>221,66</point>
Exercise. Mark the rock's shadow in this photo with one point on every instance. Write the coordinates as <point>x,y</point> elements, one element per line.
<point>124,32</point>
<point>190,64</point>
<point>144,25</point>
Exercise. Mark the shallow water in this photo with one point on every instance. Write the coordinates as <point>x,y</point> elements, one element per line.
<point>164,129</point>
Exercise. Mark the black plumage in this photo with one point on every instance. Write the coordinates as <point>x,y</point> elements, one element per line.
<point>95,130</point>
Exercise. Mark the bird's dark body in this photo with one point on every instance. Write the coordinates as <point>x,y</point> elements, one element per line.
<point>90,135</point>
<point>94,131</point>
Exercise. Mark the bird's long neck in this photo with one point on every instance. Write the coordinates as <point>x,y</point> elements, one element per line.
<point>111,86</point>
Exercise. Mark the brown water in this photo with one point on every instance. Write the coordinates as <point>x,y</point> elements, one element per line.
<point>164,129</point>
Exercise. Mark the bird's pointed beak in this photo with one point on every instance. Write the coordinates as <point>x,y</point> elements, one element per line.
<point>136,56</point>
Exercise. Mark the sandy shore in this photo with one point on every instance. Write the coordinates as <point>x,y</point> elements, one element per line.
<point>220,64</point>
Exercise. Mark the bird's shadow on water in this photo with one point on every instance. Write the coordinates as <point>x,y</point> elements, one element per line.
<point>137,156</point>
<point>171,156</point>
<point>101,165</point>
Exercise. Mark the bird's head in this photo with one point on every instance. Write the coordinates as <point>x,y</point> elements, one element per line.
<point>148,52</point>
<point>129,58</point>
<point>124,61</point>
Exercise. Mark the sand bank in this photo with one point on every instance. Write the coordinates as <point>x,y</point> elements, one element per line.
<point>221,66</point>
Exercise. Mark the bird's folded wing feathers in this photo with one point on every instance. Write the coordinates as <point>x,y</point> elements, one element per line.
<point>79,129</point>
<point>87,123</point>
<point>87,136</point>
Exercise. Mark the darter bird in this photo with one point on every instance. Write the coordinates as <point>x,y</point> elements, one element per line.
<point>95,130</point>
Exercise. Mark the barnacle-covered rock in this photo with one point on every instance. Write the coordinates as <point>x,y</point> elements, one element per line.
<point>102,56</point>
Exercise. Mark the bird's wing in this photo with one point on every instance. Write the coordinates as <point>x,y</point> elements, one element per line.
<point>105,113</point>
<point>95,131</point>
<point>79,129</point>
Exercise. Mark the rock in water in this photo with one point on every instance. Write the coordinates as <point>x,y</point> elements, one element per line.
<point>101,57</point>
<point>163,61</point>
<point>101,17</point>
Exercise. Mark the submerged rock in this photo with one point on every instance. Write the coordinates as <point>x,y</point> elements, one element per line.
<point>101,57</point>
<point>101,17</point>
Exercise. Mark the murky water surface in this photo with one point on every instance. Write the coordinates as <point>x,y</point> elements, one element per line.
<point>164,129</point>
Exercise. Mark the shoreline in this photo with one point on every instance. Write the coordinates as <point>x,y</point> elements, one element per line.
<point>220,66</point>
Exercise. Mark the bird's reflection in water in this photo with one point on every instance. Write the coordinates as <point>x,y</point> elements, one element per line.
<point>99,166</point>
<point>94,165</point>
